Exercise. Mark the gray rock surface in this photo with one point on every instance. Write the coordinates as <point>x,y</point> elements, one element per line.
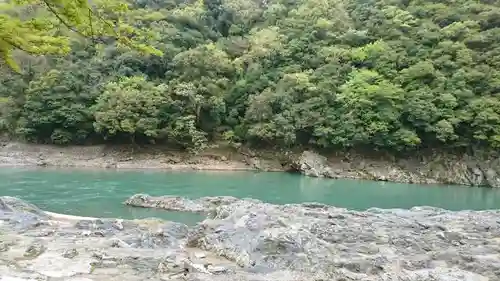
<point>252,240</point>
<point>179,204</point>
<point>377,244</point>
<point>314,165</point>
<point>438,168</point>
<point>423,243</point>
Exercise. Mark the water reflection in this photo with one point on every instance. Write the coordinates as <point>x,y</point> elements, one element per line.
<point>317,190</point>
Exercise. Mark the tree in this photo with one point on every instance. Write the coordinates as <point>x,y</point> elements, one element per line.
<point>57,107</point>
<point>140,110</point>
<point>47,26</point>
<point>398,75</point>
<point>369,112</point>
<point>130,107</point>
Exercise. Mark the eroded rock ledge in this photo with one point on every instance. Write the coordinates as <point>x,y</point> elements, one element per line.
<point>449,169</point>
<point>252,240</point>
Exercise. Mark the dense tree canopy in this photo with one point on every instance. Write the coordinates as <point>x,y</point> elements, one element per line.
<point>388,74</point>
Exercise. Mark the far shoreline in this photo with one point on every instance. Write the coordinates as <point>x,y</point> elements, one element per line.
<point>431,168</point>
<point>138,168</point>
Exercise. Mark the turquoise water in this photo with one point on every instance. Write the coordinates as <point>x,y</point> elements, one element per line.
<point>100,193</point>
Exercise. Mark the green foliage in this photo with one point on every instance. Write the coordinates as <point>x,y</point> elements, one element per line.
<point>370,109</point>
<point>44,26</point>
<point>131,106</point>
<point>140,110</point>
<point>387,74</point>
<point>57,109</point>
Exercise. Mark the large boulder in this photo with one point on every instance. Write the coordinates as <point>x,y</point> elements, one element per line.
<point>312,164</point>
<point>178,203</point>
<point>20,214</point>
<point>171,203</point>
<point>10,204</point>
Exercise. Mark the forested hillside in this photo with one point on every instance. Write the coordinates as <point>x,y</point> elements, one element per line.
<point>396,75</point>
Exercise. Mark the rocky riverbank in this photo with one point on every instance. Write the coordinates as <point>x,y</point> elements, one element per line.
<point>251,240</point>
<point>436,168</point>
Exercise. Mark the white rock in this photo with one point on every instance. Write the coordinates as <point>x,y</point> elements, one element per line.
<point>200,255</point>
<point>54,265</point>
<point>217,269</point>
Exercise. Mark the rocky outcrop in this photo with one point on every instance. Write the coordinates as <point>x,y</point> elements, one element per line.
<point>178,203</point>
<point>320,242</point>
<point>313,165</point>
<point>20,214</point>
<point>337,243</point>
<point>252,240</point>
<point>447,169</point>
<point>97,249</point>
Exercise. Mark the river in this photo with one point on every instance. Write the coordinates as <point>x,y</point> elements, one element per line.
<point>100,193</point>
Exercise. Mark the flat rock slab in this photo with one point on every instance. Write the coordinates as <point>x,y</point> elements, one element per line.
<point>55,265</point>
